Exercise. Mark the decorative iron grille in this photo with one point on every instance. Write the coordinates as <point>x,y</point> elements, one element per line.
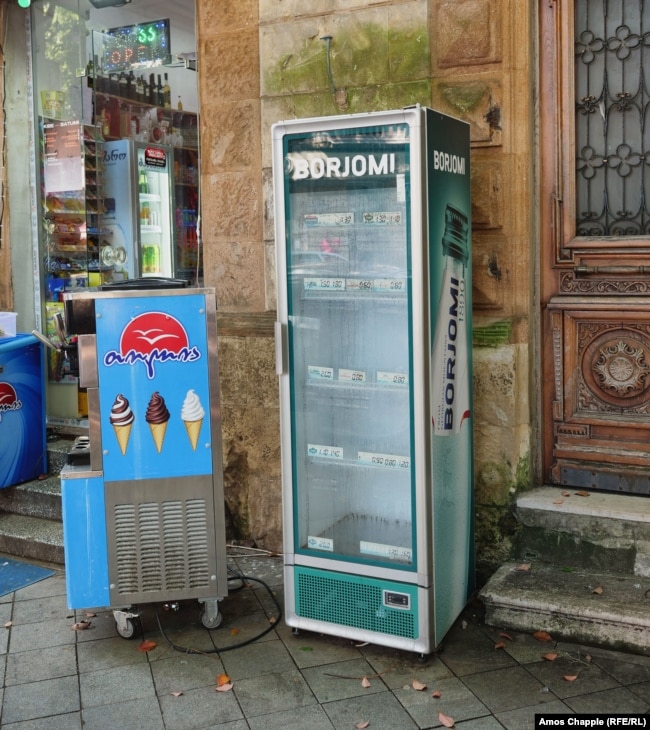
<point>612,93</point>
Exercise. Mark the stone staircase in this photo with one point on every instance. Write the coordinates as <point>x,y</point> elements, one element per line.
<point>30,513</point>
<point>582,572</point>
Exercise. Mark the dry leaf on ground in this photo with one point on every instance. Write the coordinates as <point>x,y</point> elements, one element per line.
<point>550,657</point>
<point>81,625</point>
<point>570,677</point>
<point>224,687</point>
<point>446,720</point>
<point>436,694</point>
<point>523,567</point>
<point>365,682</point>
<point>542,636</point>
<point>222,679</point>
<point>503,635</point>
<point>176,694</point>
<point>362,725</point>
<point>582,493</point>
<point>500,645</point>
<point>598,590</point>
<point>418,685</point>
<point>147,645</point>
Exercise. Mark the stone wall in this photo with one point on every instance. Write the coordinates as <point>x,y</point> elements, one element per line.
<point>266,60</point>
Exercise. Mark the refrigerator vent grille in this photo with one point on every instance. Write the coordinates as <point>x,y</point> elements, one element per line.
<point>161,546</point>
<point>350,603</point>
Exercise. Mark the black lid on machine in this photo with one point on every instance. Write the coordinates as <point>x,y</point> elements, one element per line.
<point>145,282</point>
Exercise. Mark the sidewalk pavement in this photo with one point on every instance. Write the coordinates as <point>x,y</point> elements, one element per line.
<point>59,678</point>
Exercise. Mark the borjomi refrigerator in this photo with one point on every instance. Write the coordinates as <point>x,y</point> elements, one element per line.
<point>139,205</point>
<point>373,353</point>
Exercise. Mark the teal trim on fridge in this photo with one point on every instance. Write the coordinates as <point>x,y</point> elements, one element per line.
<point>450,261</point>
<point>368,604</point>
<point>348,252</point>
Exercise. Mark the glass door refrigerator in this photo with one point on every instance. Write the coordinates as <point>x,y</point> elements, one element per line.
<point>373,350</point>
<point>139,201</point>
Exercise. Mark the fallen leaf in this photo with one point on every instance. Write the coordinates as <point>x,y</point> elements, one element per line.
<point>147,645</point>
<point>542,636</point>
<point>588,658</point>
<point>234,632</point>
<point>418,685</point>
<point>224,687</point>
<point>363,724</point>
<point>503,635</point>
<point>446,720</point>
<point>566,494</point>
<point>273,619</point>
<point>558,501</point>
<point>582,493</point>
<point>436,694</point>
<point>306,648</point>
<point>9,624</point>
<point>176,694</point>
<point>500,645</point>
<point>365,682</point>
<point>81,625</point>
<point>570,677</point>
<point>598,590</point>
<point>523,567</point>
<point>222,679</point>
<point>550,657</point>
<point>90,614</point>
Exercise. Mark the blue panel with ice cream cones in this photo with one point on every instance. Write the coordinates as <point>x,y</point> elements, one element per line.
<point>154,386</point>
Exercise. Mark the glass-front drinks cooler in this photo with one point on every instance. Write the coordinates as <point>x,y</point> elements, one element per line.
<point>373,343</point>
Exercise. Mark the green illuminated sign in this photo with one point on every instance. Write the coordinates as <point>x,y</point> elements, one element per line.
<point>136,46</point>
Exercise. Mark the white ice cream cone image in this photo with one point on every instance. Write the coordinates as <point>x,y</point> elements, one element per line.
<point>192,415</point>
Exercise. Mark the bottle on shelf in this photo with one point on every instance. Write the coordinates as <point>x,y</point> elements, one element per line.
<point>90,73</point>
<point>150,258</point>
<point>143,184</point>
<point>167,94</point>
<point>144,214</point>
<point>160,101</point>
<point>145,91</point>
<point>123,84</point>
<point>152,89</point>
<point>131,85</point>
<point>179,106</point>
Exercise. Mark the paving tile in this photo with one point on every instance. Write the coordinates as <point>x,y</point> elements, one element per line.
<point>641,690</point>
<point>52,586</point>
<point>342,680</point>
<point>256,659</point>
<point>40,609</point>
<point>470,650</point>
<point>482,723</point>
<point>102,625</point>
<point>455,701</point>
<point>399,668</point>
<point>132,715</point>
<point>508,689</point>
<point>524,718</point>
<point>309,649</point>
<point>199,708</point>
<point>235,725</point>
<point>181,673</point>
<point>625,671</point>
<point>269,693</point>
<point>382,711</point>
<point>40,664</point>
<point>40,699</point>
<point>108,653</point>
<point>590,678</point>
<point>238,629</point>
<point>56,632</point>
<point>270,570</point>
<point>118,684</point>
<point>313,717</point>
<point>611,700</point>
<point>69,721</point>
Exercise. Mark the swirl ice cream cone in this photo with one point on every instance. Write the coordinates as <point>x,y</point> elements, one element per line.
<point>121,419</point>
<point>192,415</point>
<point>157,416</point>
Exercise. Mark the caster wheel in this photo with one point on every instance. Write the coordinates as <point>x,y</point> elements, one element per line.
<point>126,630</point>
<point>295,632</point>
<point>211,622</point>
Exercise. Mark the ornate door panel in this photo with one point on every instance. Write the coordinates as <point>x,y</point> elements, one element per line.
<point>595,243</point>
<point>601,406</point>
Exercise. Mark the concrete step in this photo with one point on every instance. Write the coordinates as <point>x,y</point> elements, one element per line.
<point>34,538</point>
<point>599,531</point>
<point>589,607</point>
<point>30,513</point>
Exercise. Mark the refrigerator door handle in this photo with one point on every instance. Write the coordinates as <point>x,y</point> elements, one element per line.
<point>280,348</point>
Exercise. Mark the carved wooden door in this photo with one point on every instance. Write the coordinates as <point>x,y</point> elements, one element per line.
<point>595,225</point>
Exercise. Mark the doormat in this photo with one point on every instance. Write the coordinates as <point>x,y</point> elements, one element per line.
<point>15,575</point>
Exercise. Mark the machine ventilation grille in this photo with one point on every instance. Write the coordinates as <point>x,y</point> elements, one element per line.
<point>350,602</point>
<point>161,547</point>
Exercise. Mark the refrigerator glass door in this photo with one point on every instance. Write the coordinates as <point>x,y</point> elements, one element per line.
<point>155,206</point>
<point>349,338</point>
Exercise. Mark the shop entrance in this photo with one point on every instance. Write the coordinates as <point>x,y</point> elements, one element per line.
<point>116,122</point>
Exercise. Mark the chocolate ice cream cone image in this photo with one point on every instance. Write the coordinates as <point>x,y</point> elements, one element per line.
<point>157,417</point>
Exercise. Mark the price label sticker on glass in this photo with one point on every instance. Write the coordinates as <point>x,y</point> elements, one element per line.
<point>387,378</point>
<point>325,452</point>
<point>324,283</point>
<point>316,372</point>
<point>352,376</point>
<point>387,461</point>
<point>329,219</point>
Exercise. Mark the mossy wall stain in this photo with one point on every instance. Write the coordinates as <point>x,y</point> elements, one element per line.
<point>378,67</point>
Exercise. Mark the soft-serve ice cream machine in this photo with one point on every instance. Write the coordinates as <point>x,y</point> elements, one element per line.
<point>142,496</point>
